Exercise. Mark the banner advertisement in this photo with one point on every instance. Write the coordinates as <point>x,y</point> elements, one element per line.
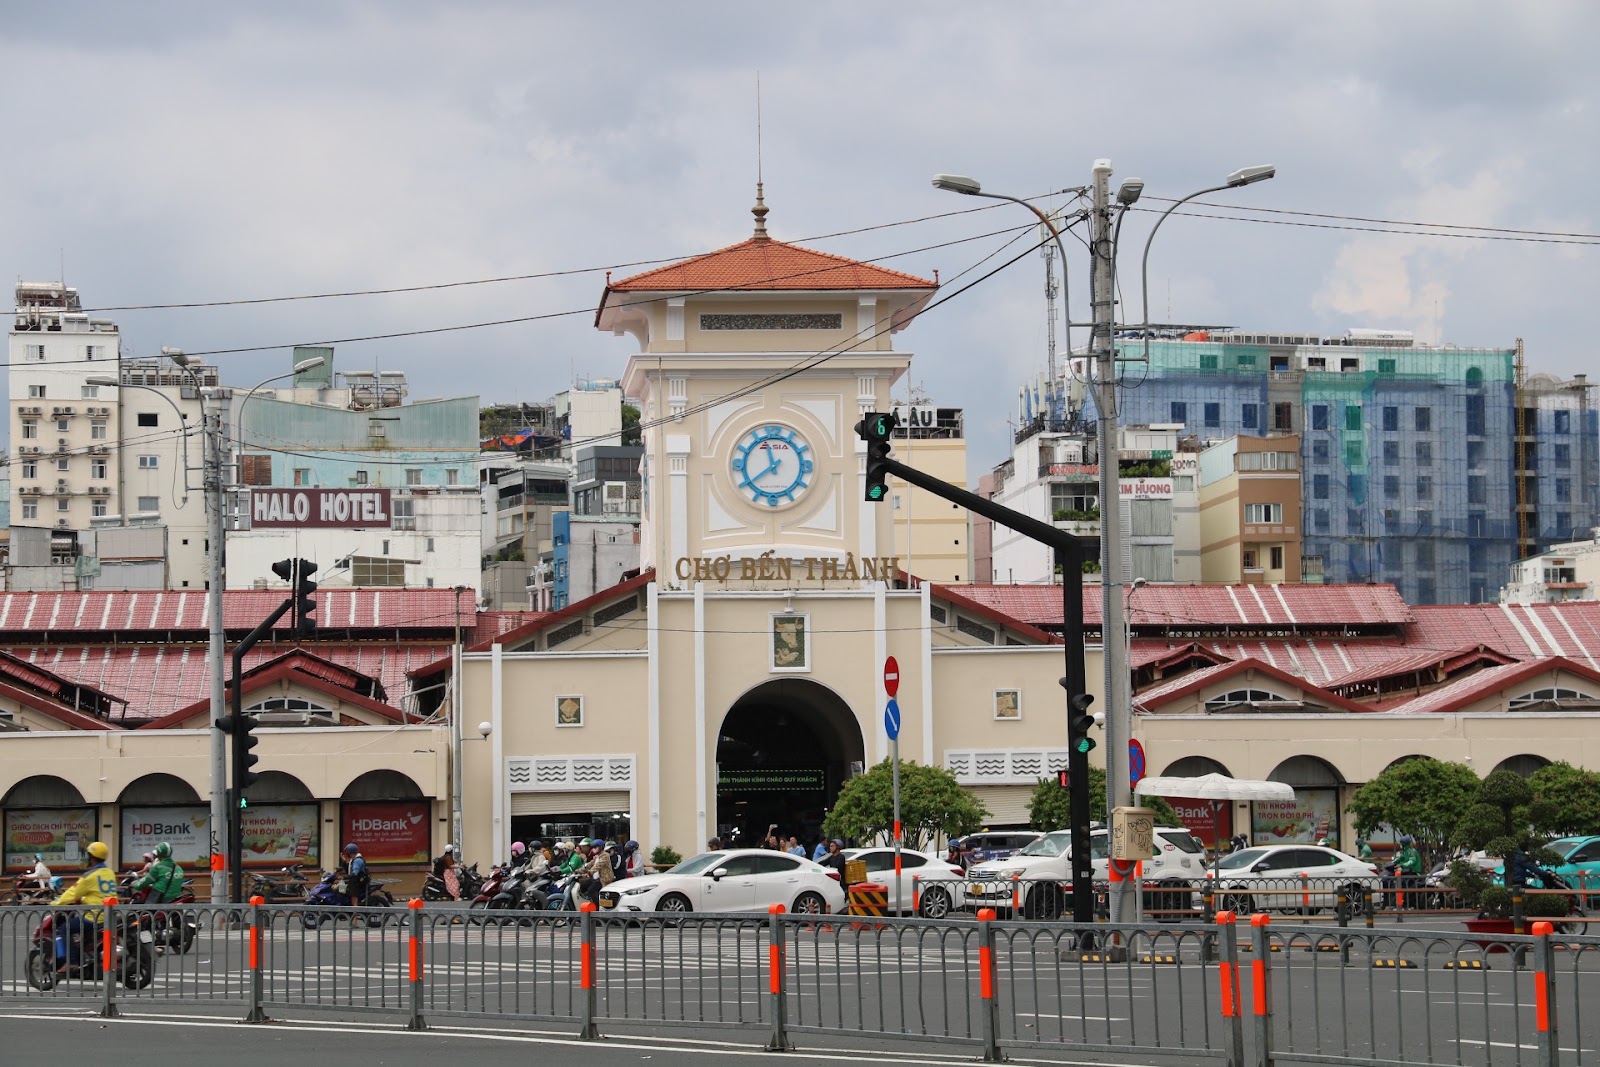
<point>1199,821</point>
<point>1312,815</point>
<point>187,829</point>
<point>276,835</point>
<point>61,834</point>
<point>388,831</point>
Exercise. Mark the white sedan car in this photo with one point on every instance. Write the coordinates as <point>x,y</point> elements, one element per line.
<point>1256,872</point>
<point>925,866</point>
<point>740,879</point>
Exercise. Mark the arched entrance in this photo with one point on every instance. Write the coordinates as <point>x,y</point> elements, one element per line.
<point>1525,764</point>
<point>1313,815</point>
<point>385,814</point>
<point>47,815</point>
<point>1195,767</point>
<point>783,751</point>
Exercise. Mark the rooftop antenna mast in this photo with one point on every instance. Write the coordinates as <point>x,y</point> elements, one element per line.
<point>1047,249</point>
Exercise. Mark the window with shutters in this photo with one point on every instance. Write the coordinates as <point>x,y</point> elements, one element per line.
<point>255,470</point>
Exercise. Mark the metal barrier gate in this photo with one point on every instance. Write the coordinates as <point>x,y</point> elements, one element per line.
<point>1223,992</point>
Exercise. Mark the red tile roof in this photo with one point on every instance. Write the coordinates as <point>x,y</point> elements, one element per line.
<point>1186,684</point>
<point>1490,680</point>
<point>1570,629</point>
<point>1211,606</point>
<point>156,678</point>
<point>763,264</point>
<point>298,666</point>
<point>1455,659</point>
<point>186,610</point>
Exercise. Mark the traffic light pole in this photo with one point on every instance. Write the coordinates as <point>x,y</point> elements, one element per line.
<point>1070,552</point>
<point>216,657</point>
<point>237,721</point>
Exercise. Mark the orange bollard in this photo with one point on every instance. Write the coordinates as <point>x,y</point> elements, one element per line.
<point>916,894</point>
<point>1016,892</point>
<point>1305,894</point>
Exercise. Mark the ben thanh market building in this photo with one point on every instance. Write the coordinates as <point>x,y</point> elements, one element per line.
<point>736,680</point>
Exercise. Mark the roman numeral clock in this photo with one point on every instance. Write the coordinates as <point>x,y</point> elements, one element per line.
<point>772,464</point>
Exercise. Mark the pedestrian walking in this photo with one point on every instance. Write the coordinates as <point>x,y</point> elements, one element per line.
<point>796,848</point>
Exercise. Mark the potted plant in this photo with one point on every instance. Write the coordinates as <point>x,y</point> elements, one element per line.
<point>1498,822</point>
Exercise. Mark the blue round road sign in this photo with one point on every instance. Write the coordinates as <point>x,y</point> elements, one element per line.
<point>1135,762</point>
<point>891,720</point>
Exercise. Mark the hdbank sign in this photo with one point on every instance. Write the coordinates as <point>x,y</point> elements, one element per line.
<point>348,508</point>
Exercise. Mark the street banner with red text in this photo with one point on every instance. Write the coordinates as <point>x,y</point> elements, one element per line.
<point>388,831</point>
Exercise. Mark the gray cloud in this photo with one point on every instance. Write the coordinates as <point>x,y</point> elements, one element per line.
<point>182,152</point>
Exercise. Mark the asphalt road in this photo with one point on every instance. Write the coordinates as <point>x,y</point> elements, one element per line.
<point>705,981</point>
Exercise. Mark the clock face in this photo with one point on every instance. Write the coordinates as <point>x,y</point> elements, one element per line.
<point>773,464</point>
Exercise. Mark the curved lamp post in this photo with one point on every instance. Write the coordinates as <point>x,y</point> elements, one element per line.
<point>1238,179</point>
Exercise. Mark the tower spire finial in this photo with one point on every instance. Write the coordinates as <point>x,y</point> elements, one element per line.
<point>760,209</point>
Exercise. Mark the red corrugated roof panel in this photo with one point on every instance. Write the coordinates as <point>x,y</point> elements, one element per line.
<point>174,610</point>
<point>1214,606</point>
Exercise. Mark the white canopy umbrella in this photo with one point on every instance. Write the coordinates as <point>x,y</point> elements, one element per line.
<point>1217,788</point>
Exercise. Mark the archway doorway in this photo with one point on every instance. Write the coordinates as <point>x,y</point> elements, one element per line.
<point>784,750</point>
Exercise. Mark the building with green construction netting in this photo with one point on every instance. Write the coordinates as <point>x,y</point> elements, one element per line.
<point>1408,452</point>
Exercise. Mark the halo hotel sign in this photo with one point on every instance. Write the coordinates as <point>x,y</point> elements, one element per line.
<point>346,508</point>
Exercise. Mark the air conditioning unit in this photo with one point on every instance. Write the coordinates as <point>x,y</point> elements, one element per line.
<point>62,522</point>
<point>100,490</point>
<point>61,442</point>
<point>56,411</point>
<point>61,490</point>
<point>29,490</point>
<point>69,411</point>
<point>62,482</point>
<point>283,718</point>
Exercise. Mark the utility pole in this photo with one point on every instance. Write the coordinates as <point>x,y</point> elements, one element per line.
<point>1119,711</point>
<point>216,658</point>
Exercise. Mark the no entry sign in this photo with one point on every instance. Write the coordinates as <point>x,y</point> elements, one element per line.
<point>891,676</point>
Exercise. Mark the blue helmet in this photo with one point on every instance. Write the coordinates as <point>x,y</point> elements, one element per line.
<point>351,849</point>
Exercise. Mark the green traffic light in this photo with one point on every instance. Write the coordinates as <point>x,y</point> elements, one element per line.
<point>876,492</point>
<point>1085,744</point>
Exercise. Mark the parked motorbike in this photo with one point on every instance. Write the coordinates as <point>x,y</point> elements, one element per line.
<point>287,886</point>
<point>332,891</point>
<point>58,953</point>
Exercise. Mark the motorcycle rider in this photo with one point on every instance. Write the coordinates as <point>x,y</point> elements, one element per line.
<point>39,877</point>
<point>163,882</point>
<point>538,863</point>
<point>92,888</point>
<point>447,858</point>
<point>358,881</point>
<point>519,855</point>
<point>633,858</point>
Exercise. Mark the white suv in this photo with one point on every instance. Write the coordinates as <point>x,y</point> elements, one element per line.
<point>1045,872</point>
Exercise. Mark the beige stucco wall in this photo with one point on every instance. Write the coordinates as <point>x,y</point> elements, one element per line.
<point>703,666</point>
<point>326,760</point>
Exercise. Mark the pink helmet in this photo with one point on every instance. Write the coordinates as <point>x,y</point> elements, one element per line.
<point>518,848</point>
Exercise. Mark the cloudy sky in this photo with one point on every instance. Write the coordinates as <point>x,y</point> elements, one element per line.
<point>177,153</point>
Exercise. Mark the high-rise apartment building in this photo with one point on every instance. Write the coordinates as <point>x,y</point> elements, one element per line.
<point>1409,454</point>
<point>86,453</point>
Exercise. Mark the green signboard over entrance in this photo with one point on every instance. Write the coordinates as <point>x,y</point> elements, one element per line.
<point>774,780</point>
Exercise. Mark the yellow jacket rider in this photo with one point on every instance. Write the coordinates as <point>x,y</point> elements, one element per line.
<point>97,883</point>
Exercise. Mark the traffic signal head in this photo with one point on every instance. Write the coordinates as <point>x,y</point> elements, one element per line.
<point>298,572</point>
<point>244,739</point>
<point>1064,778</point>
<point>876,428</point>
<point>1079,722</point>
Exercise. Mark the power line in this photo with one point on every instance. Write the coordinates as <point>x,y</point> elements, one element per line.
<point>1383,222</point>
<point>1581,240</point>
<point>568,272</point>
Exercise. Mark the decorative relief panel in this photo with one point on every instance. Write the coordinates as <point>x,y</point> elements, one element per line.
<point>1015,766</point>
<point>571,772</point>
<point>771,322</point>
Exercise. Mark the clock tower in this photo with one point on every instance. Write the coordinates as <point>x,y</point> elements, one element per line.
<point>754,364</point>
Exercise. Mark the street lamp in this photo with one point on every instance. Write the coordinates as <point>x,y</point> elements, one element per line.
<point>967,186</point>
<point>1237,180</point>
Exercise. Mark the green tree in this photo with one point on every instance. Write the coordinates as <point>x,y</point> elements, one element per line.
<point>630,426</point>
<point>1566,801</point>
<point>1423,797</point>
<point>932,803</point>
<point>1498,822</point>
<point>1050,807</point>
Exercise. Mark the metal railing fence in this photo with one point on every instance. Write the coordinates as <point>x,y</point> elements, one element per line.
<point>1234,991</point>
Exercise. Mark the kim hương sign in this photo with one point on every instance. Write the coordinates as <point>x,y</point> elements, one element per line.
<point>345,508</point>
